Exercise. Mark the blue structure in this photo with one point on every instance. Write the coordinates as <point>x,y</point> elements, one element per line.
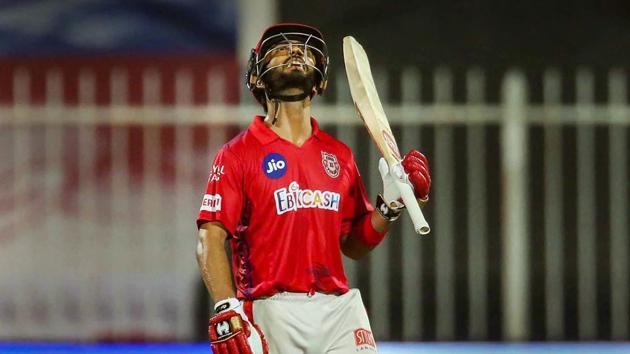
<point>384,348</point>
<point>41,27</point>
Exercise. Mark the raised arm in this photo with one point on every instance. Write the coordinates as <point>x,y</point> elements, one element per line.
<point>355,245</point>
<point>368,231</point>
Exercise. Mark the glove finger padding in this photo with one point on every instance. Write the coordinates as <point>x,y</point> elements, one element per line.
<point>412,165</point>
<point>417,167</point>
<point>233,348</point>
<point>222,348</point>
<point>219,348</point>
<point>421,185</point>
<point>417,155</point>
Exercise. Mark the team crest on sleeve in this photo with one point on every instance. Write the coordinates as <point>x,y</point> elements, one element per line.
<point>331,165</point>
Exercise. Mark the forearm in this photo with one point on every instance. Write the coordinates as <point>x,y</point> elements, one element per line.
<point>213,263</point>
<point>354,245</point>
<point>379,223</point>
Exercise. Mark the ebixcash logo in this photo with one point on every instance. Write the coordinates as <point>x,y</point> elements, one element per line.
<point>294,198</point>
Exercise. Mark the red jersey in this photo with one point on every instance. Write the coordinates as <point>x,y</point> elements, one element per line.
<point>286,208</point>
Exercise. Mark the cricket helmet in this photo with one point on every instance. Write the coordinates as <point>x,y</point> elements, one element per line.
<point>309,37</point>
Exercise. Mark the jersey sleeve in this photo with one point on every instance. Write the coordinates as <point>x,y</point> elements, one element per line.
<point>224,197</point>
<point>357,203</point>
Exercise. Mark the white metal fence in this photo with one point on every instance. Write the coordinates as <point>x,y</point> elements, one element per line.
<point>97,226</point>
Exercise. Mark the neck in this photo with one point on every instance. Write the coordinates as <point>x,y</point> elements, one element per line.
<point>293,121</point>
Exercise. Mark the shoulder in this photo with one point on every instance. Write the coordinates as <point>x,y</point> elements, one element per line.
<point>240,144</point>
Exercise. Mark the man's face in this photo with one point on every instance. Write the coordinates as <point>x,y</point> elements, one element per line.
<point>291,54</point>
<point>293,75</point>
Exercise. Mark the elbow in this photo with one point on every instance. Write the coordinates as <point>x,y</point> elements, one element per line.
<point>210,235</point>
<point>353,256</point>
<point>200,250</point>
<point>349,254</point>
<point>362,238</point>
<point>352,249</point>
<point>357,255</point>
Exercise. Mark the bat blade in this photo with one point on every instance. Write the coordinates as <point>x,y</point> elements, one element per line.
<point>370,109</point>
<point>366,100</point>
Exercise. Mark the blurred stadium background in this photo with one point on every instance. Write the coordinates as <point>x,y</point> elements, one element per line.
<point>111,112</point>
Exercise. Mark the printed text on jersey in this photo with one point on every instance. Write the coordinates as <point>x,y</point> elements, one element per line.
<point>294,198</point>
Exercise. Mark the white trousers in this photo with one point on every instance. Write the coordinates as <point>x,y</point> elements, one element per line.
<point>296,323</point>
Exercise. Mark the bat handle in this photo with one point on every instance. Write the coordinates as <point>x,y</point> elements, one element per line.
<point>420,224</point>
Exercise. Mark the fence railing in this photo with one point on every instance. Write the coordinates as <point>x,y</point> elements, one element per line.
<point>529,207</point>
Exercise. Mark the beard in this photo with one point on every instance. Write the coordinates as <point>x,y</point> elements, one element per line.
<point>280,82</point>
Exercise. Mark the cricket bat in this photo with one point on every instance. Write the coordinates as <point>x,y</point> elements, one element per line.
<point>371,112</point>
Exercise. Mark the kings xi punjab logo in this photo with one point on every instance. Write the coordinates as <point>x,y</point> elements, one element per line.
<point>331,165</point>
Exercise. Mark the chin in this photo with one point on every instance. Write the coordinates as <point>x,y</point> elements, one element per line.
<point>292,80</point>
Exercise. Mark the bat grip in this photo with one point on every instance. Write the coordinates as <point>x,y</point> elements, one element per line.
<point>420,224</point>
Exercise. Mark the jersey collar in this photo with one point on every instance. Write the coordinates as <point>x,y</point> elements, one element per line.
<point>265,135</point>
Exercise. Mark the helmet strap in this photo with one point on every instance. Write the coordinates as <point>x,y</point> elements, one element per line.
<point>289,98</point>
<point>276,98</point>
<point>275,112</point>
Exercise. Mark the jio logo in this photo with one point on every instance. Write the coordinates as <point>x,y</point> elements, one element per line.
<point>274,165</point>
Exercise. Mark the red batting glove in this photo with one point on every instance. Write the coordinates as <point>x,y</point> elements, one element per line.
<point>416,166</point>
<point>231,332</point>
